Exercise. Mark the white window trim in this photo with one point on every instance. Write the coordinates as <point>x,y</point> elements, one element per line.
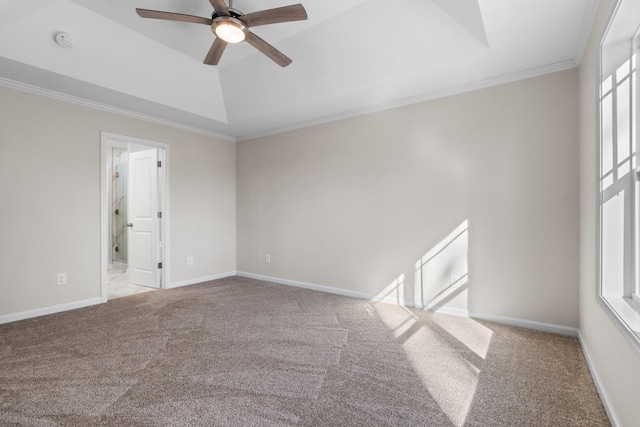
<point>624,311</point>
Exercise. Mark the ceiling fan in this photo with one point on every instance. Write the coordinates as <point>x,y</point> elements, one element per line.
<point>232,26</point>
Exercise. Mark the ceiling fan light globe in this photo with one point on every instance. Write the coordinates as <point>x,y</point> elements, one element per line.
<point>230,33</point>
<point>229,29</point>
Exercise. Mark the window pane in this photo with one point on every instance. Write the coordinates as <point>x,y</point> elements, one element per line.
<point>634,156</point>
<point>607,134</point>
<point>624,169</point>
<point>637,245</point>
<point>634,115</point>
<point>607,181</point>
<point>622,71</point>
<point>606,85</point>
<point>623,116</point>
<point>613,245</point>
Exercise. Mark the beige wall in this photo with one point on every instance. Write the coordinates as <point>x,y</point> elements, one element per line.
<point>354,203</point>
<point>616,363</point>
<point>50,200</point>
<point>350,204</point>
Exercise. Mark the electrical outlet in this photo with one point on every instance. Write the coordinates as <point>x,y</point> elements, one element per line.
<point>267,258</point>
<point>189,260</point>
<point>61,279</point>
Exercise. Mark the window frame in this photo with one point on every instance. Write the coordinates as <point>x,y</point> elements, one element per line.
<point>622,305</point>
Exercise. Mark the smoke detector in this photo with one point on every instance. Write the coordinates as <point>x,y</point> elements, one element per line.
<point>64,40</point>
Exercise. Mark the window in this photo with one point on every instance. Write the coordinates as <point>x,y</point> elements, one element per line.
<point>619,186</point>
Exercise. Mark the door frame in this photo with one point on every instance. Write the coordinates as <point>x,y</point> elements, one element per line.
<point>111,140</point>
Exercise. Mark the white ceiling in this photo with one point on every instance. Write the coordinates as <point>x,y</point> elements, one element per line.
<point>349,57</point>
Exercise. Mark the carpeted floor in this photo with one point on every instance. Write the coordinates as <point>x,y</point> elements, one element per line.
<point>239,352</point>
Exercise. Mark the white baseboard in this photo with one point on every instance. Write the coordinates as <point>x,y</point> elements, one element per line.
<point>93,301</point>
<point>604,396</point>
<point>389,300</point>
<point>48,310</point>
<point>200,280</point>
<point>305,285</point>
<point>527,324</point>
<point>449,310</point>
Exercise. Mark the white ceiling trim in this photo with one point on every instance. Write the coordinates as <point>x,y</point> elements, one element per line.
<point>523,75</point>
<point>12,84</point>
<point>561,66</point>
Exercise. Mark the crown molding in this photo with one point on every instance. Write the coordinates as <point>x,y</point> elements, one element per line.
<point>497,81</point>
<point>24,87</point>
<point>456,90</point>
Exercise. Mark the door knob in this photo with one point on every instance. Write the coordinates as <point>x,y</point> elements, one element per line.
<point>130,224</point>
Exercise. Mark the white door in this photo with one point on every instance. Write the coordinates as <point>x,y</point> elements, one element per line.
<point>142,218</point>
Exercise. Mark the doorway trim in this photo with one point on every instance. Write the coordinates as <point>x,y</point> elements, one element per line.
<point>111,140</point>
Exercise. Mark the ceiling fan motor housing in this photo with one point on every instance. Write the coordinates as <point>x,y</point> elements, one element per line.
<point>235,13</point>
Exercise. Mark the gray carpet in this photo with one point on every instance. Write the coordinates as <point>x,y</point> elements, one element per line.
<point>239,352</point>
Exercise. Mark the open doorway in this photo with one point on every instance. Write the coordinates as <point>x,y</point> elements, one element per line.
<point>134,215</point>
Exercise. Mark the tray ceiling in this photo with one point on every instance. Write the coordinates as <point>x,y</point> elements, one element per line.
<point>350,56</point>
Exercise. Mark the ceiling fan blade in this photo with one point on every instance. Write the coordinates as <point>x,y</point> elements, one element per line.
<point>170,16</point>
<point>220,7</point>
<point>294,12</point>
<point>216,51</point>
<point>278,57</point>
